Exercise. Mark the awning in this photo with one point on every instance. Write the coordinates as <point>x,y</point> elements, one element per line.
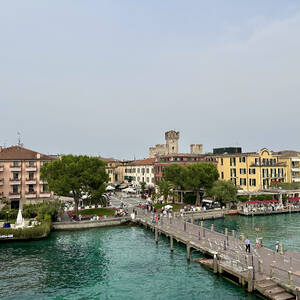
<point>261,201</point>
<point>294,199</point>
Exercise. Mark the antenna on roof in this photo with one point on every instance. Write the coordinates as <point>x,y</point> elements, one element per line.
<point>19,139</point>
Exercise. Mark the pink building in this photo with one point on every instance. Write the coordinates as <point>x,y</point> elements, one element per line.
<point>20,180</point>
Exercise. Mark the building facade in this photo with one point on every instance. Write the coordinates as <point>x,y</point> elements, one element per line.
<point>140,171</point>
<point>20,175</point>
<point>252,171</point>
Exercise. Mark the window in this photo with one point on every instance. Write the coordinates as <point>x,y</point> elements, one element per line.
<point>30,188</point>
<point>242,171</point>
<point>232,161</point>
<point>15,189</point>
<point>147,179</point>
<point>252,182</point>
<point>31,175</point>
<point>15,163</point>
<point>256,161</point>
<point>233,180</point>
<point>138,170</point>
<point>222,175</point>
<point>233,172</point>
<point>221,161</point>
<point>45,187</point>
<point>31,163</point>
<point>242,159</point>
<point>138,179</point>
<point>252,171</point>
<point>15,175</point>
<point>147,170</point>
<point>152,180</point>
<point>243,181</point>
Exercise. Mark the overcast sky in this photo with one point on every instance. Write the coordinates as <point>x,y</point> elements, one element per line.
<point>109,77</point>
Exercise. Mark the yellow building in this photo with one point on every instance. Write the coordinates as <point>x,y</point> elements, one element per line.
<point>253,171</point>
<point>292,160</point>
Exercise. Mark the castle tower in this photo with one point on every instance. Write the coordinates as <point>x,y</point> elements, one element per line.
<point>172,138</point>
<point>196,149</point>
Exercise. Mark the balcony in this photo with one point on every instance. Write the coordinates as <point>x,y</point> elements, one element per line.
<point>296,159</point>
<point>295,169</point>
<point>30,195</point>
<point>43,182</point>
<point>30,181</point>
<point>1,168</point>
<point>45,194</point>
<point>1,181</point>
<point>296,179</point>
<point>31,168</point>
<point>14,195</point>
<point>15,169</point>
<point>13,181</point>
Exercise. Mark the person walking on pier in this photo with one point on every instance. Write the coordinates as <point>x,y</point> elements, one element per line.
<point>277,246</point>
<point>247,243</point>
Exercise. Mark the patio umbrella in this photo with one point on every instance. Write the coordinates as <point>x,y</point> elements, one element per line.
<point>109,188</point>
<point>168,206</point>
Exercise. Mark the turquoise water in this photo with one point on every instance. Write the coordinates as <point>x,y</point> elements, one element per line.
<point>111,263</point>
<point>284,228</point>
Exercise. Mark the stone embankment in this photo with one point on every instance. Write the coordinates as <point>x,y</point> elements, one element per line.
<point>90,224</point>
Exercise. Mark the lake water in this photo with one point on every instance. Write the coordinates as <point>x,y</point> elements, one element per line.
<point>125,263</point>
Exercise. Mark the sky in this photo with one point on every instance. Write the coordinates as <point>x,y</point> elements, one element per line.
<point>109,77</point>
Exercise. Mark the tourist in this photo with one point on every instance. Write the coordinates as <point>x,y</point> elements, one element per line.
<point>247,243</point>
<point>277,246</point>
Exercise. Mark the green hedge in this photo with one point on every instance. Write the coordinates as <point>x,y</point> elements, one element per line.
<point>36,232</point>
<point>12,213</point>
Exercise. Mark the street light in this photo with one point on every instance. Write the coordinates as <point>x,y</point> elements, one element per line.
<point>7,216</point>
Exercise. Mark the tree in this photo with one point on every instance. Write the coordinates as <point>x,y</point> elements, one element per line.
<point>224,191</point>
<point>165,189</point>
<point>76,175</point>
<point>200,177</point>
<point>143,187</point>
<point>175,174</point>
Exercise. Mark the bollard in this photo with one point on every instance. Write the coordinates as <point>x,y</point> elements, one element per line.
<point>233,233</point>
<point>243,237</point>
<point>281,249</point>
<point>188,252</point>
<point>226,231</point>
<point>184,226</point>
<point>203,232</point>
<point>215,264</point>
<point>171,244</point>
<point>271,271</point>
<point>212,227</point>
<point>156,235</point>
<point>290,276</point>
<point>260,266</point>
<point>250,279</point>
<point>192,220</point>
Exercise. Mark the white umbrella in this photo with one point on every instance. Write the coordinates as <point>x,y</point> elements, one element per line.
<point>109,188</point>
<point>168,206</point>
<point>129,190</point>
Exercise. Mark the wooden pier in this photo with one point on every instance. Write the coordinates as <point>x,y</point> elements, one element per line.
<point>274,275</point>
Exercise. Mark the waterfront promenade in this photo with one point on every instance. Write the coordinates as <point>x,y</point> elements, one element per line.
<point>275,275</point>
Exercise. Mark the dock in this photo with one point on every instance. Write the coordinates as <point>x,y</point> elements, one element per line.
<point>276,276</point>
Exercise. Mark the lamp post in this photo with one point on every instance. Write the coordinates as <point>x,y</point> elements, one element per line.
<point>6,216</point>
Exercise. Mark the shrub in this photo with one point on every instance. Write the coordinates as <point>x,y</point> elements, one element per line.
<point>36,232</point>
<point>41,210</point>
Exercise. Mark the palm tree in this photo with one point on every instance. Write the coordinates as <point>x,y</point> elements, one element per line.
<point>165,189</point>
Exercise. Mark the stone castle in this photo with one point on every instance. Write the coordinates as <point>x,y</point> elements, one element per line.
<point>171,146</point>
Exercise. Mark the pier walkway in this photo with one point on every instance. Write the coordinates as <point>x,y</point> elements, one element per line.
<point>275,275</point>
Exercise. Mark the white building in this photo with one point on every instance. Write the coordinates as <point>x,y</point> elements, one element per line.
<point>140,171</point>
